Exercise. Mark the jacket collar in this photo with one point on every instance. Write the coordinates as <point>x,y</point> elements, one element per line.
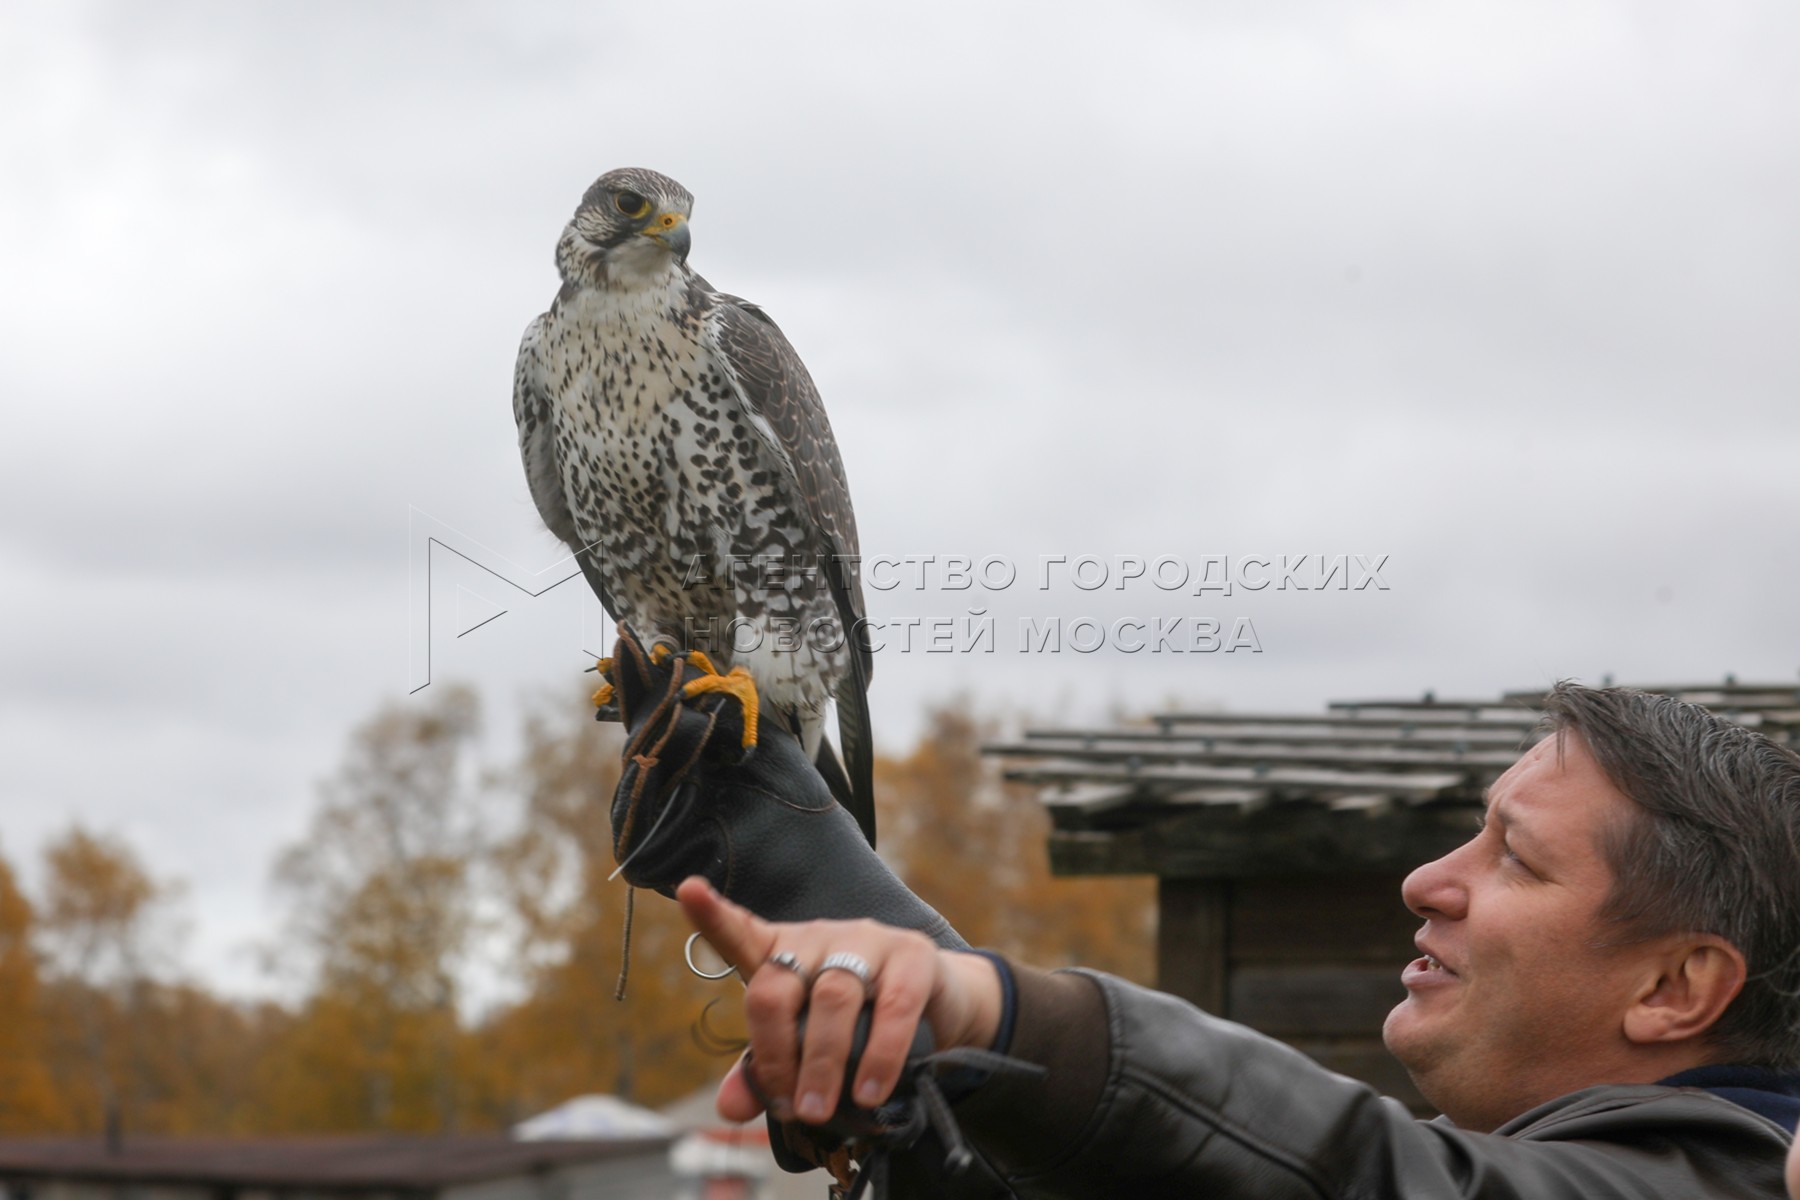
<point>1765,1092</point>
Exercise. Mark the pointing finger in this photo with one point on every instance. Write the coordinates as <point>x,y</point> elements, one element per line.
<point>741,937</point>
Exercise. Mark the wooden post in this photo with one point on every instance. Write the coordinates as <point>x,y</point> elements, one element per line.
<point>1192,945</point>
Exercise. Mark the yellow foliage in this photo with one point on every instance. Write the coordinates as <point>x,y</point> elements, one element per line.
<point>387,889</point>
<point>344,1065</point>
<point>28,1101</point>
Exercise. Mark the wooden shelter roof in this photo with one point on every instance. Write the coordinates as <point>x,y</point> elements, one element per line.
<point>1364,785</point>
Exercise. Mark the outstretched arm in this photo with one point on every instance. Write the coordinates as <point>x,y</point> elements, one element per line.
<point>1147,1095</point>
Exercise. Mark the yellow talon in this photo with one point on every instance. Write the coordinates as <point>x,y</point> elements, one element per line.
<point>699,659</point>
<point>738,684</point>
<point>660,652</point>
<point>604,666</point>
<point>603,695</point>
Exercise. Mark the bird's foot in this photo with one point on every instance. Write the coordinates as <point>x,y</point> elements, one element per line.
<point>737,683</point>
<point>606,696</point>
<point>606,703</point>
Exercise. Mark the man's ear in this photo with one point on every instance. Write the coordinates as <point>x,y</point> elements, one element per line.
<point>1695,978</point>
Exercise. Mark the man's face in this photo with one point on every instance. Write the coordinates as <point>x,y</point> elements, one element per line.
<point>1515,1003</point>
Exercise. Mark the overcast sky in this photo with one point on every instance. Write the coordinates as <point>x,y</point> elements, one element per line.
<point>1504,292</point>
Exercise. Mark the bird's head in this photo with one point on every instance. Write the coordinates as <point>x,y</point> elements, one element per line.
<point>629,229</point>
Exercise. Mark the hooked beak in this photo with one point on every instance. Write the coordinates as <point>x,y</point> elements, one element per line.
<point>670,231</point>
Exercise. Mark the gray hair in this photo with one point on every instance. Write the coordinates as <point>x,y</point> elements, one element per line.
<point>1714,847</point>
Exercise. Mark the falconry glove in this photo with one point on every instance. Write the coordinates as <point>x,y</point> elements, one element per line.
<point>757,820</point>
<point>760,824</point>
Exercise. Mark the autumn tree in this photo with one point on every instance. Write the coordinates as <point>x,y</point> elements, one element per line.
<point>381,894</point>
<point>120,1040</point>
<point>102,927</point>
<point>28,1103</point>
<point>197,1062</point>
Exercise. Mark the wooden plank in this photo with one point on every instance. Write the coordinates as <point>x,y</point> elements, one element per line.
<point>1101,801</point>
<point>1349,733</point>
<point>1192,950</point>
<point>1091,804</point>
<point>1424,784</point>
<point>1428,700</point>
<point>1362,804</point>
<point>1344,919</point>
<point>1137,810</point>
<point>1241,797</point>
<point>1087,798</point>
<point>1471,712</point>
<point>1493,716</point>
<point>1290,1000</point>
<point>1451,758</point>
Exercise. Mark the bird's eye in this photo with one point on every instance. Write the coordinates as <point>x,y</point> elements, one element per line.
<point>632,204</point>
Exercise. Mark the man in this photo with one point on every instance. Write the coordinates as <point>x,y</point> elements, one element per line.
<point>1605,1005</point>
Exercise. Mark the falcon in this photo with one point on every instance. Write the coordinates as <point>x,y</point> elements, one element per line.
<point>673,439</point>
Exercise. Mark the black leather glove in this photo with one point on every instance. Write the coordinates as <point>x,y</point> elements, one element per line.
<point>761,825</point>
<point>758,822</point>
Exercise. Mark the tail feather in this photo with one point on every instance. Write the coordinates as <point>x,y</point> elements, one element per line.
<point>836,779</point>
<point>854,785</point>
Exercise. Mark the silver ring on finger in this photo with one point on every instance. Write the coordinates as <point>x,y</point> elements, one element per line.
<point>843,960</point>
<point>787,960</point>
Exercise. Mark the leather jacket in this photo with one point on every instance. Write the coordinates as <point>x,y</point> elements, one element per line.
<point>1148,1096</point>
